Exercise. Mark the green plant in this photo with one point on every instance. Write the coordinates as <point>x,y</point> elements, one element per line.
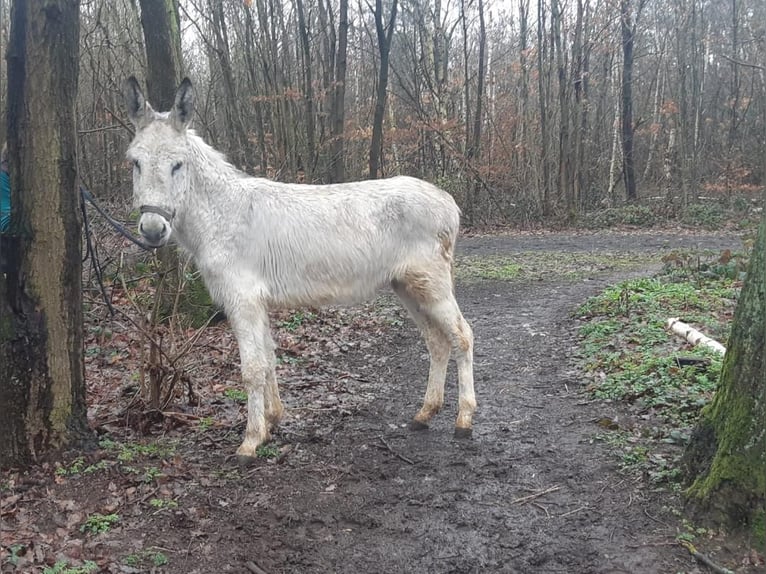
<point>706,215</point>
<point>145,558</point>
<point>267,451</point>
<point>63,567</point>
<point>98,523</point>
<point>130,452</point>
<point>623,343</point>
<point>236,395</point>
<point>205,423</point>
<point>151,474</point>
<point>14,552</point>
<point>162,504</point>
<point>75,467</point>
<point>297,319</point>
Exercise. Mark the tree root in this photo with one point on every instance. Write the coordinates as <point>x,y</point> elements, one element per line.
<point>704,559</point>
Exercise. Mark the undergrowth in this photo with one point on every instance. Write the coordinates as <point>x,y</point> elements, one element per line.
<point>661,380</point>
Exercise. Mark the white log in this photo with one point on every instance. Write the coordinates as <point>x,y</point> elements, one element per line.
<point>693,336</point>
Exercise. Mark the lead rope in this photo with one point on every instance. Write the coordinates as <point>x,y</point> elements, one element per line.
<point>86,195</point>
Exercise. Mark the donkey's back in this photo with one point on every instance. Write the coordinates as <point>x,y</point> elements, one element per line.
<point>320,244</point>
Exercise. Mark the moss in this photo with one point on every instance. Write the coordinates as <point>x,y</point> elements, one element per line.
<point>6,327</point>
<point>196,304</point>
<point>759,529</point>
<point>727,456</point>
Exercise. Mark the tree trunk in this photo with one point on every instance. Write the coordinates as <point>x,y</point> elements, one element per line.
<point>42,383</point>
<point>337,161</point>
<point>240,151</point>
<point>309,161</point>
<point>725,460</point>
<point>159,20</point>
<point>542,72</point>
<point>628,29</point>
<point>474,150</point>
<point>385,35</point>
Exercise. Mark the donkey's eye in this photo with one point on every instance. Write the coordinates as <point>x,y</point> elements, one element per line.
<point>136,164</point>
<point>176,167</point>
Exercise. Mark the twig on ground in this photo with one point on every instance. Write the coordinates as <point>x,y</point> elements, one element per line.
<point>657,520</point>
<point>254,568</point>
<point>704,559</point>
<point>525,499</point>
<point>396,454</point>
<point>578,509</point>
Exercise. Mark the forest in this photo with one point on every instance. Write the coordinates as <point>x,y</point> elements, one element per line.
<point>603,442</point>
<point>521,109</point>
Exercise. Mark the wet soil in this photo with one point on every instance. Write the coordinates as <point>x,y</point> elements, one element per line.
<point>354,491</point>
<point>531,492</point>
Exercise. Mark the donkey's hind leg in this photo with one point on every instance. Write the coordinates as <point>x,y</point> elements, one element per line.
<point>272,405</point>
<point>428,288</point>
<point>445,315</point>
<point>438,350</point>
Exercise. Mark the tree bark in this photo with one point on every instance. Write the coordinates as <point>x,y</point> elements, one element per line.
<point>725,461</point>
<point>385,34</point>
<point>628,30</point>
<point>42,382</point>
<point>309,161</point>
<point>162,36</point>
<point>337,161</point>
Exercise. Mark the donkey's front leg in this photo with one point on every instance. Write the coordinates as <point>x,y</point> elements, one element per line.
<point>252,331</point>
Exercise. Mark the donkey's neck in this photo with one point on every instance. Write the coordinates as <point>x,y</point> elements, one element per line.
<point>210,200</point>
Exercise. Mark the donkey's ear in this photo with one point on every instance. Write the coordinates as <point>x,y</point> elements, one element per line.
<point>183,107</point>
<point>139,111</point>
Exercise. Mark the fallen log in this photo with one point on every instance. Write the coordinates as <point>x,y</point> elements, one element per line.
<point>693,336</point>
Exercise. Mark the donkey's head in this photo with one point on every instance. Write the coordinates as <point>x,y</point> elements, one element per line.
<point>159,155</point>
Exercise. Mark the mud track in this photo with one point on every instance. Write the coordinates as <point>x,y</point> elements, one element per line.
<point>357,492</point>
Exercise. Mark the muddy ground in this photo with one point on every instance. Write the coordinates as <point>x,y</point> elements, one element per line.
<point>355,492</point>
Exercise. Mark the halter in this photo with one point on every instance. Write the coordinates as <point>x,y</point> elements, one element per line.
<point>159,211</point>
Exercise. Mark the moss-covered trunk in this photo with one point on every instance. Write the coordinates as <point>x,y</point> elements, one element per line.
<point>725,461</point>
<point>42,386</point>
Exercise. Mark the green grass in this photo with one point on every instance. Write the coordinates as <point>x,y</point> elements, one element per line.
<point>63,567</point>
<point>267,451</point>
<point>546,266</point>
<point>632,359</point>
<point>132,451</point>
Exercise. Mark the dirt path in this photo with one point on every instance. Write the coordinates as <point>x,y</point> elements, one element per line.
<point>358,493</point>
<point>355,492</point>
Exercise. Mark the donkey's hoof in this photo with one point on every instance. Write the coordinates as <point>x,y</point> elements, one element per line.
<point>463,433</point>
<point>416,425</point>
<point>245,460</point>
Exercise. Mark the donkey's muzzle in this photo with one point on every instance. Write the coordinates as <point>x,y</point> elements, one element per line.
<point>154,229</point>
<point>154,225</point>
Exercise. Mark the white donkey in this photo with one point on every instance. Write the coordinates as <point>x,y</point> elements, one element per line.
<point>260,244</point>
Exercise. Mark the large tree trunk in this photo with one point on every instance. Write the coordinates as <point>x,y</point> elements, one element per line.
<point>385,35</point>
<point>628,29</point>
<point>310,155</point>
<point>338,113</point>
<point>726,458</point>
<point>42,384</point>
<point>159,20</point>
